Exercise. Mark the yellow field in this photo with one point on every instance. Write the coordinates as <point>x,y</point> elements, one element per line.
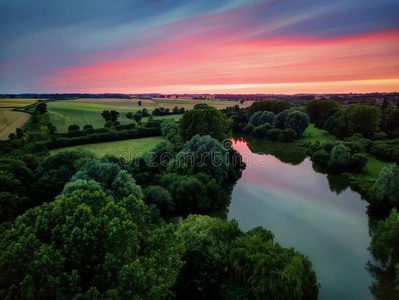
<point>20,102</point>
<point>10,121</point>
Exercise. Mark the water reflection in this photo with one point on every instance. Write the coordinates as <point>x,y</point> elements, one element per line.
<point>317,214</point>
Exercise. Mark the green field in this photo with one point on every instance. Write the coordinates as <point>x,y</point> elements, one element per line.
<point>63,113</point>
<point>374,166</point>
<point>313,134</point>
<point>189,103</point>
<point>17,102</point>
<point>128,149</point>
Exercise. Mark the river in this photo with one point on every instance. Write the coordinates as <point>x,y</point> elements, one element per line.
<point>316,214</point>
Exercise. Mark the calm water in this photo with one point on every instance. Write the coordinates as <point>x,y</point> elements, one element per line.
<point>317,215</point>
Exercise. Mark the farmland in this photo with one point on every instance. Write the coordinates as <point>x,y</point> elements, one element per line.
<point>11,120</point>
<point>88,110</point>
<point>16,102</point>
<point>127,149</point>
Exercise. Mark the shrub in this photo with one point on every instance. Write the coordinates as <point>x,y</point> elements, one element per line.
<point>261,130</point>
<point>287,135</point>
<point>273,134</point>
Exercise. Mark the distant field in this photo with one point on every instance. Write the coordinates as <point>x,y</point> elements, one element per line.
<point>20,102</point>
<point>10,121</point>
<point>189,103</point>
<point>127,149</point>
<point>88,111</point>
<point>313,134</point>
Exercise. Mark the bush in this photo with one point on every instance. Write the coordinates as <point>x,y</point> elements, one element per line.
<point>73,127</point>
<point>261,130</point>
<point>287,135</point>
<point>273,134</point>
<point>321,157</point>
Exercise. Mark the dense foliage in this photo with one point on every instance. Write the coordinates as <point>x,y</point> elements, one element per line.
<point>320,110</point>
<point>222,261</point>
<point>204,120</point>
<point>275,106</point>
<point>86,246</point>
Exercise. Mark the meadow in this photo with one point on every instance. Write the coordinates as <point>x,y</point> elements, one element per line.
<point>313,134</point>
<point>128,149</point>
<point>63,113</point>
<point>11,120</point>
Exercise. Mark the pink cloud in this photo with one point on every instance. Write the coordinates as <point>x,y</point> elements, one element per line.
<point>223,61</point>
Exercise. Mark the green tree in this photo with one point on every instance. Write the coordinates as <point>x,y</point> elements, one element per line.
<point>159,197</point>
<point>114,181</point>
<point>204,120</point>
<point>385,190</point>
<point>41,108</point>
<point>320,110</point>
<point>56,170</point>
<point>363,119</point>
<point>73,127</point>
<point>297,121</point>
<point>84,245</point>
<point>275,106</point>
<point>137,117</point>
<point>384,247</point>
<point>112,115</point>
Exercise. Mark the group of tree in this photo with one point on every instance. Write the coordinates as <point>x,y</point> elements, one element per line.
<point>138,115</point>
<point>162,111</point>
<point>384,246</point>
<point>339,157</point>
<point>286,126</point>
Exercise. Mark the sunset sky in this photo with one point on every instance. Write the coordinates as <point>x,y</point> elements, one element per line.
<point>283,46</point>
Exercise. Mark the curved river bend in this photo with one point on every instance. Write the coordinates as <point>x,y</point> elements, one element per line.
<point>314,213</point>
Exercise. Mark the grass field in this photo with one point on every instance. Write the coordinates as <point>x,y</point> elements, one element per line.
<point>313,134</point>
<point>20,102</point>
<point>10,121</point>
<point>63,113</point>
<point>128,149</point>
<point>374,166</point>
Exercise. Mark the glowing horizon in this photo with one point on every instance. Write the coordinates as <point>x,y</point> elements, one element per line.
<point>230,47</point>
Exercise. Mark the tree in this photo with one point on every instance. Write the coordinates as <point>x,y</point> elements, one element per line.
<point>83,246</point>
<point>203,153</point>
<point>384,247</point>
<point>20,133</point>
<point>279,120</point>
<point>363,119</point>
<point>139,102</point>
<point>56,170</point>
<point>320,110</point>
<point>159,197</point>
<point>114,181</point>
<point>385,190</point>
<point>129,115</point>
<point>222,260</point>
<point>108,124</point>
<point>204,120</point>
<point>73,127</point>
<point>275,106</point>
<point>112,115</point>
<point>340,158</point>
<point>137,116</point>
<point>145,112</point>
<point>175,110</point>
<point>261,117</point>
<point>88,127</point>
<point>297,121</point>
<point>41,108</point>
<point>261,130</point>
